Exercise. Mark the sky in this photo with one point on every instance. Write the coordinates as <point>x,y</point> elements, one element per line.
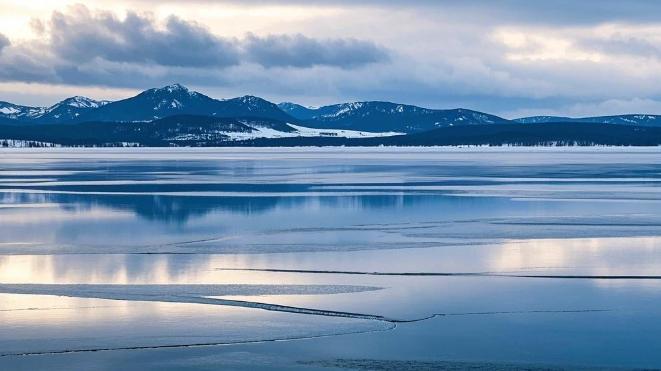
<point>512,58</point>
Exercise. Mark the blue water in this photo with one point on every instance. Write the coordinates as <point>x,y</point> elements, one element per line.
<point>548,256</point>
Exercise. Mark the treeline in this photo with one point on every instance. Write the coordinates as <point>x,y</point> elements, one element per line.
<point>203,134</point>
<point>13,143</point>
<point>547,134</point>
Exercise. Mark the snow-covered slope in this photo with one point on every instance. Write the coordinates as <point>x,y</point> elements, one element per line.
<point>17,112</point>
<point>192,129</point>
<point>70,109</point>
<point>204,128</point>
<point>302,131</point>
<point>64,111</point>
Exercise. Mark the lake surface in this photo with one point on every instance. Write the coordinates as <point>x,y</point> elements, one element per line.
<point>321,259</point>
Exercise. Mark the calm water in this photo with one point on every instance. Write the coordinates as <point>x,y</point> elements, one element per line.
<point>196,259</point>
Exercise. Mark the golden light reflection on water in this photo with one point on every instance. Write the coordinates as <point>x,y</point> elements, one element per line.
<point>588,256</point>
<point>585,256</point>
<point>131,269</point>
<point>592,256</point>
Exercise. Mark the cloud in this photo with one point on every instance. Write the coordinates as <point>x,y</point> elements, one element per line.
<point>81,36</point>
<point>84,47</point>
<point>4,42</point>
<point>593,108</point>
<point>301,51</point>
<point>624,44</point>
<point>26,64</point>
<point>501,57</point>
<point>558,12</point>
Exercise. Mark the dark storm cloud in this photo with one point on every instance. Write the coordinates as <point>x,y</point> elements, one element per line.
<point>81,36</point>
<point>83,47</point>
<point>301,51</point>
<point>25,64</point>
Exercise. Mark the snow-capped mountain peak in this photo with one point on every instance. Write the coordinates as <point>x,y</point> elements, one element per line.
<point>176,87</point>
<point>176,90</point>
<point>173,89</point>
<point>249,99</point>
<point>251,102</point>
<point>18,112</point>
<point>81,102</point>
<point>9,109</point>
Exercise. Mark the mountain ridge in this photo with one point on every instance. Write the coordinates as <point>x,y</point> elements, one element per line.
<point>148,105</point>
<point>176,99</point>
<point>624,119</point>
<point>364,116</point>
<point>387,116</point>
<point>66,110</point>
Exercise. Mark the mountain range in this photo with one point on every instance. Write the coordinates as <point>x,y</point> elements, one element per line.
<point>175,115</point>
<point>630,119</point>
<point>152,104</point>
<point>386,116</point>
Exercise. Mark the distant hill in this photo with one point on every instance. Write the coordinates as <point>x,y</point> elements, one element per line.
<point>179,130</point>
<point>172,130</point>
<point>386,116</point>
<point>631,119</point>
<point>298,111</point>
<point>546,134</point>
<point>68,110</point>
<point>209,131</point>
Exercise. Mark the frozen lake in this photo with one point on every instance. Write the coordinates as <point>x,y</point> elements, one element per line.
<point>321,259</point>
